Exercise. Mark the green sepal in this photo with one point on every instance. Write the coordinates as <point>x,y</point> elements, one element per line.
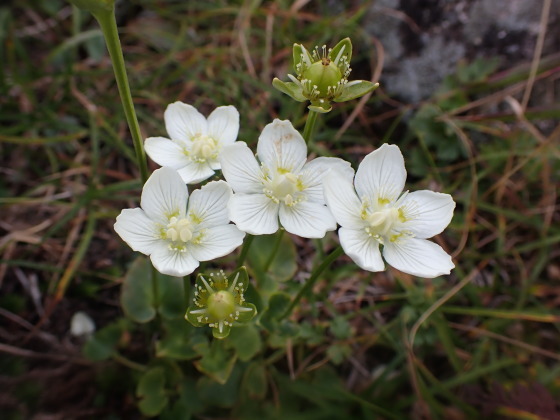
<point>291,89</point>
<point>192,318</point>
<point>320,108</point>
<point>301,57</point>
<point>355,89</point>
<point>226,329</point>
<point>342,49</point>
<point>245,317</point>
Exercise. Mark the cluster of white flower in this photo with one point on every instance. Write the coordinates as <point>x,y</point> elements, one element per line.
<point>281,188</point>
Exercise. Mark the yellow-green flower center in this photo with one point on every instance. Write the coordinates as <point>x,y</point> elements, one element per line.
<point>324,76</point>
<point>283,187</point>
<point>381,222</point>
<point>203,148</point>
<point>179,230</point>
<point>221,305</point>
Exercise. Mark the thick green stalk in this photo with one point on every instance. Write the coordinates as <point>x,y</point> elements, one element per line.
<point>108,25</point>
<point>311,280</point>
<point>309,125</point>
<point>245,250</point>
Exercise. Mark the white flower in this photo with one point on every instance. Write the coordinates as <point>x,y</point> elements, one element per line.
<point>379,214</point>
<point>176,237</point>
<point>196,143</point>
<point>81,324</point>
<point>283,186</point>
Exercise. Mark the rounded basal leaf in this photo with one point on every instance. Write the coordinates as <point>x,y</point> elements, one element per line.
<point>282,267</point>
<point>217,363</point>
<point>137,299</point>
<point>103,343</point>
<point>172,303</point>
<point>246,341</point>
<point>254,380</point>
<point>181,341</point>
<point>151,391</point>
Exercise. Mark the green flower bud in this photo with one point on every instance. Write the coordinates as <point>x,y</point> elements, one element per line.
<point>219,302</point>
<point>322,77</point>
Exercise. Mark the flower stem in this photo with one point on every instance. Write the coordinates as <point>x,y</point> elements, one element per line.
<point>309,126</point>
<point>245,250</point>
<point>274,251</point>
<point>108,25</point>
<point>311,280</point>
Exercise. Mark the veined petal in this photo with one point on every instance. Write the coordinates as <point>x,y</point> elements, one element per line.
<point>173,262</point>
<point>216,242</point>
<point>342,201</point>
<point>195,172</point>
<point>165,152</point>
<point>223,124</point>
<point>254,213</point>
<point>208,205</point>
<point>313,173</point>
<point>240,168</point>
<point>281,146</point>
<point>427,213</point>
<point>418,257</point>
<point>164,195</point>
<point>307,219</point>
<point>214,164</point>
<point>382,174</point>
<point>362,248</point>
<point>137,230</point>
<point>183,121</point>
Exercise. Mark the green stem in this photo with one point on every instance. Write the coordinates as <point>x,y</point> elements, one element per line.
<point>245,250</point>
<point>274,251</point>
<point>309,125</point>
<point>108,25</point>
<point>311,280</point>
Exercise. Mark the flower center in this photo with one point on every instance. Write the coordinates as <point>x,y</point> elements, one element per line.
<point>179,230</point>
<point>221,304</point>
<point>203,148</point>
<point>381,222</point>
<point>282,187</point>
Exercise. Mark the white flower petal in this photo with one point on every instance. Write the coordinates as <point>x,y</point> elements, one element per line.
<point>195,172</point>
<point>307,219</point>
<point>343,201</point>
<point>137,230</point>
<point>418,257</point>
<point>281,146</point>
<point>254,213</point>
<point>362,248</point>
<point>216,242</point>
<point>381,174</point>
<point>165,152</point>
<point>215,163</point>
<point>183,121</point>
<point>223,124</point>
<point>208,205</point>
<point>429,212</point>
<point>164,195</point>
<point>240,168</point>
<point>173,262</point>
<point>313,173</point>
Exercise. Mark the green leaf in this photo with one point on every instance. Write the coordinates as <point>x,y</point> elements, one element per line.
<point>355,89</point>
<point>221,395</point>
<point>320,108</point>
<point>282,267</point>
<point>181,341</point>
<point>137,299</point>
<point>291,89</point>
<point>340,328</point>
<point>277,305</point>
<point>339,352</point>
<point>217,363</point>
<point>102,344</point>
<point>254,380</point>
<point>172,303</point>
<point>151,391</point>
<point>246,341</point>
<point>137,294</point>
